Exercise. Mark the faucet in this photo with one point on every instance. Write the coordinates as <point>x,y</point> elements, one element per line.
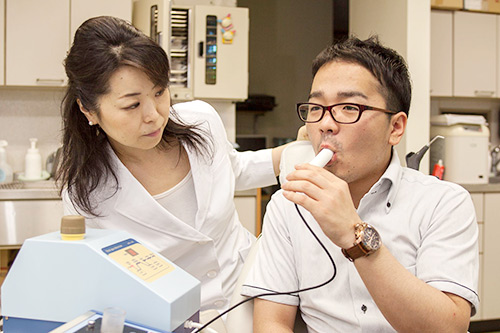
<point>494,160</point>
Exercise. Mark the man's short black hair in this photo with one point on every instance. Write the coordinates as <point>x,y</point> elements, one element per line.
<point>386,65</point>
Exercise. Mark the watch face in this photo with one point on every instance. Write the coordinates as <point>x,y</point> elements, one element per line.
<point>371,239</point>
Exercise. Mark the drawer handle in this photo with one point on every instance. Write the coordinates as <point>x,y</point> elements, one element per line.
<point>51,82</point>
<point>484,93</point>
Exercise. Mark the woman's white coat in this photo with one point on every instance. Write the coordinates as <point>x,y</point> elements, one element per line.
<point>214,249</point>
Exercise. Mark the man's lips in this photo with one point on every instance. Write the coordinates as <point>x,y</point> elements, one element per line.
<point>334,157</point>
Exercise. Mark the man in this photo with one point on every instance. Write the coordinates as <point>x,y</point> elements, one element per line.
<point>404,245</point>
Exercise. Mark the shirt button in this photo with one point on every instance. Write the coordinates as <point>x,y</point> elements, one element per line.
<point>212,274</point>
<point>219,304</point>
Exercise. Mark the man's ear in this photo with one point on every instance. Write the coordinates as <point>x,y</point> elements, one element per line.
<point>91,116</point>
<point>398,126</point>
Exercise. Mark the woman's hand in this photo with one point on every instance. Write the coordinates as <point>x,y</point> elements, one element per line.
<point>302,133</point>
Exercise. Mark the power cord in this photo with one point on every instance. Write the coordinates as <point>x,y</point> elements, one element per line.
<point>276,293</point>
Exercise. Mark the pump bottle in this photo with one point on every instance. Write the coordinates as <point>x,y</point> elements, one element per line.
<point>33,162</point>
<point>6,174</point>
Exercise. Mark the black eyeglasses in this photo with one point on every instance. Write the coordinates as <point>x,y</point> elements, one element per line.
<point>342,113</point>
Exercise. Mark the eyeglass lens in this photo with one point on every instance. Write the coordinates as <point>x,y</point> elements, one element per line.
<point>345,113</point>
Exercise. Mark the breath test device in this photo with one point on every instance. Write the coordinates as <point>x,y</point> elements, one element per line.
<point>323,157</point>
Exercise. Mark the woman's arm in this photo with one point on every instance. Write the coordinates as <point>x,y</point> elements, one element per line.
<point>301,135</point>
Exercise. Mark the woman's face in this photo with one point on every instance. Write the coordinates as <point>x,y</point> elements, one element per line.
<point>133,113</point>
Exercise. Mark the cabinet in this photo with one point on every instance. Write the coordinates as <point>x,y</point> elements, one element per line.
<point>81,10</point>
<point>491,268</point>
<point>2,41</point>
<point>478,200</point>
<point>248,206</point>
<point>474,54</point>
<point>441,53</point>
<point>36,42</point>
<point>486,205</point>
<point>464,54</point>
<point>38,35</point>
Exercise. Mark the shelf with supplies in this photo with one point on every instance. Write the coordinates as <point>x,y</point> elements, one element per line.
<point>484,6</point>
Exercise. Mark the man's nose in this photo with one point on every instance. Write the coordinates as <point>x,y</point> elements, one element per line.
<point>327,123</point>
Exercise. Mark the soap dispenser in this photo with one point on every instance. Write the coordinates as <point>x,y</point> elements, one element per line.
<point>33,162</point>
<point>6,174</point>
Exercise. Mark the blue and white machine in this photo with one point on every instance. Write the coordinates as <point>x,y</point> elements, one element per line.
<point>53,281</point>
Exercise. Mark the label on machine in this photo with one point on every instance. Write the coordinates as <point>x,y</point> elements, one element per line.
<point>138,259</point>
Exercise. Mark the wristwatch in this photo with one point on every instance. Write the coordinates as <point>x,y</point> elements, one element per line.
<point>367,241</point>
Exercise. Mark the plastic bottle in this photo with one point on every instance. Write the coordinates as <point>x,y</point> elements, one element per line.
<point>438,170</point>
<point>33,162</point>
<point>6,174</point>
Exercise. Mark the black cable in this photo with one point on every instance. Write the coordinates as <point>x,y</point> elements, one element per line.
<point>282,292</point>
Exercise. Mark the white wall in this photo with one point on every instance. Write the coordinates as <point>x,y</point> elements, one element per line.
<point>29,113</point>
<point>403,25</point>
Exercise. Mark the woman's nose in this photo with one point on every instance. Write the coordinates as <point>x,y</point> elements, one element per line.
<point>150,112</point>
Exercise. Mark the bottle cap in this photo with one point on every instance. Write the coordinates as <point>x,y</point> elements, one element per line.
<point>33,148</point>
<point>3,144</point>
<point>72,227</point>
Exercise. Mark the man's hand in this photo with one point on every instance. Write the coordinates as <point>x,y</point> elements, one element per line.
<point>327,198</point>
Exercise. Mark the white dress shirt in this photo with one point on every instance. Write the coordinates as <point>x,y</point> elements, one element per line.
<point>428,225</point>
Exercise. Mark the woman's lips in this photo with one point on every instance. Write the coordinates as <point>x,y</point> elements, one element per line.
<point>155,133</point>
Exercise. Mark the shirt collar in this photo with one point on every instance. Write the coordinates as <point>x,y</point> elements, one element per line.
<point>389,182</point>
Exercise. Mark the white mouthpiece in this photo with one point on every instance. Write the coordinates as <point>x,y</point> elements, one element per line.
<point>323,157</point>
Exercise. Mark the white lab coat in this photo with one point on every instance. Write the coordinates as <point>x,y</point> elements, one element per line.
<point>214,249</point>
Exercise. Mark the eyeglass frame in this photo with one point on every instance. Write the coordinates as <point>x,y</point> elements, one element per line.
<point>362,108</point>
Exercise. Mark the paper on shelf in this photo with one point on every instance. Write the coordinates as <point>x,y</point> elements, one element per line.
<point>448,119</point>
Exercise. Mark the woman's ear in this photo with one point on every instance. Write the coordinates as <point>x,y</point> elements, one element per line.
<point>91,116</point>
<point>398,126</point>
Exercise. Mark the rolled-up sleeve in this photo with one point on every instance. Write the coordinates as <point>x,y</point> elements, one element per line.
<point>448,258</point>
<point>252,169</point>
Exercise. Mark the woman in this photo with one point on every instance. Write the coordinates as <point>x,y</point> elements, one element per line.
<point>165,174</point>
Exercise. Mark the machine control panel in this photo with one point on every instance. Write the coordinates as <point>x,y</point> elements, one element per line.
<point>138,260</point>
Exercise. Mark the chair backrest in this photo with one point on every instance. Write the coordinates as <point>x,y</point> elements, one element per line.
<point>295,153</point>
<point>241,319</point>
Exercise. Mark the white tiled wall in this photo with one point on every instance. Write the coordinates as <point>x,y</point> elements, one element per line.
<point>27,113</point>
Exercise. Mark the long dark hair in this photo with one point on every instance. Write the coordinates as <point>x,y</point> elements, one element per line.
<point>101,45</point>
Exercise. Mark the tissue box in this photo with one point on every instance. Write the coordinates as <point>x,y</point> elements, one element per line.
<point>475,4</point>
<point>447,4</point>
<point>491,6</point>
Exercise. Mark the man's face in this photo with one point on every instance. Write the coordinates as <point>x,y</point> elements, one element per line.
<point>361,150</point>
